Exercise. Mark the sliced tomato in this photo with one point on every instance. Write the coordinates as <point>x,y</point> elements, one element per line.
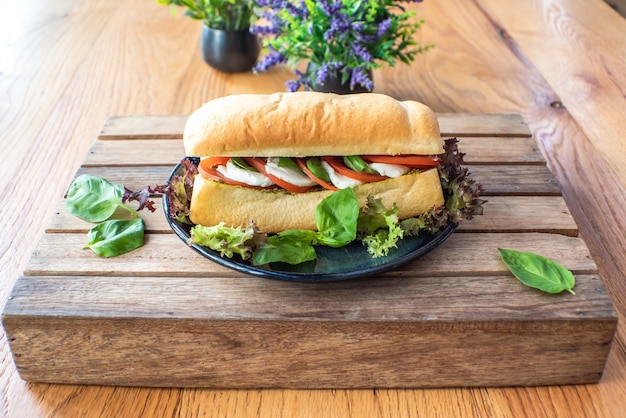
<point>341,168</point>
<point>302,164</point>
<point>207,166</point>
<point>417,161</point>
<point>214,161</point>
<point>259,164</point>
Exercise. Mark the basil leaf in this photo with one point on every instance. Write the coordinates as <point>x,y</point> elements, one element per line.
<point>314,165</point>
<point>539,272</point>
<point>95,199</point>
<point>115,237</point>
<point>336,218</point>
<point>293,246</point>
<point>241,163</point>
<point>356,163</point>
<point>287,162</point>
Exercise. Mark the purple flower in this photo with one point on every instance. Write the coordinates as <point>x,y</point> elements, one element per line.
<point>322,74</point>
<point>273,4</point>
<point>361,52</point>
<point>362,35</point>
<point>274,25</point>
<point>303,80</point>
<point>339,28</point>
<point>360,76</point>
<point>293,85</point>
<point>265,30</point>
<point>273,58</point>
<point>300,12</point>
<point>358,26</point>
<point>384,27</point>
<point>331,9</point>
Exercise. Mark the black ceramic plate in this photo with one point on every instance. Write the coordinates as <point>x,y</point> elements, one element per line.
<point>349,262</point>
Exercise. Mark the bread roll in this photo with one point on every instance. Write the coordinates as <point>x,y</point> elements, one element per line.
<point>309,123</point>
<point>274,211</point>
<point>305,124</point>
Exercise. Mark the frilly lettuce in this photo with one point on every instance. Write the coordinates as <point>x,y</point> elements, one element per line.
<point>179,190</point>
<point>461,193</point>
<point>378,227</point>
<point>228,241</point>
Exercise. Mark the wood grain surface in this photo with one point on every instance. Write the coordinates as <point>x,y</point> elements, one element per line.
<point>67,65</point>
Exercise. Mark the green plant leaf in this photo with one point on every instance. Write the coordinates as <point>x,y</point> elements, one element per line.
<point>314,164</point>
<point>356,163</point>
<point>293,246</point>
<point>537,271</point>
<point>218,14</point>
<point>226,240</point>
<point>95,199</point>
<point>336,218</point>
<point>379,227</point>
<point>115,237</point>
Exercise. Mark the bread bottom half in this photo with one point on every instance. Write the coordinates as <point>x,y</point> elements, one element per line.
<point>274,211</point>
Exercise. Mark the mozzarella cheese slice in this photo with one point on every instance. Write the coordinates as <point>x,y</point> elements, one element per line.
<point>390,170</point>
<point>339,180</point>
<point>287,174</point>
<point>253,178</point>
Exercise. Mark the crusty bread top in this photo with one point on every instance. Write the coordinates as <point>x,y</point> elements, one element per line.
<point>310,123</point>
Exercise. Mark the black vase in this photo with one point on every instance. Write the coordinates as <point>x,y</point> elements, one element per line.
<point>333,83</point>
<point>229,51</point>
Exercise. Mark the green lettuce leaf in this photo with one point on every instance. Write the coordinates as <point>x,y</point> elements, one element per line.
<point>378,227</point>
<point>226,240</point>
<point>179,191</point>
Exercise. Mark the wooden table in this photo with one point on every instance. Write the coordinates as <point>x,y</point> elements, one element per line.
<point>67,66</point>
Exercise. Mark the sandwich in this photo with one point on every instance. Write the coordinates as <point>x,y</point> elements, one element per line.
<point>268,178</point>
<point>271,159</point>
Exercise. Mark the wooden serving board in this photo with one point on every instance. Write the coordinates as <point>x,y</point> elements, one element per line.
<point>164,316</point>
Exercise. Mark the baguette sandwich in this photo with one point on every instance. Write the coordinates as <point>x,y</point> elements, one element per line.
<point>273,158</point>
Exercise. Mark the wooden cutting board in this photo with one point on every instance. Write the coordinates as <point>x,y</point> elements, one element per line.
<point>164,316</point>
